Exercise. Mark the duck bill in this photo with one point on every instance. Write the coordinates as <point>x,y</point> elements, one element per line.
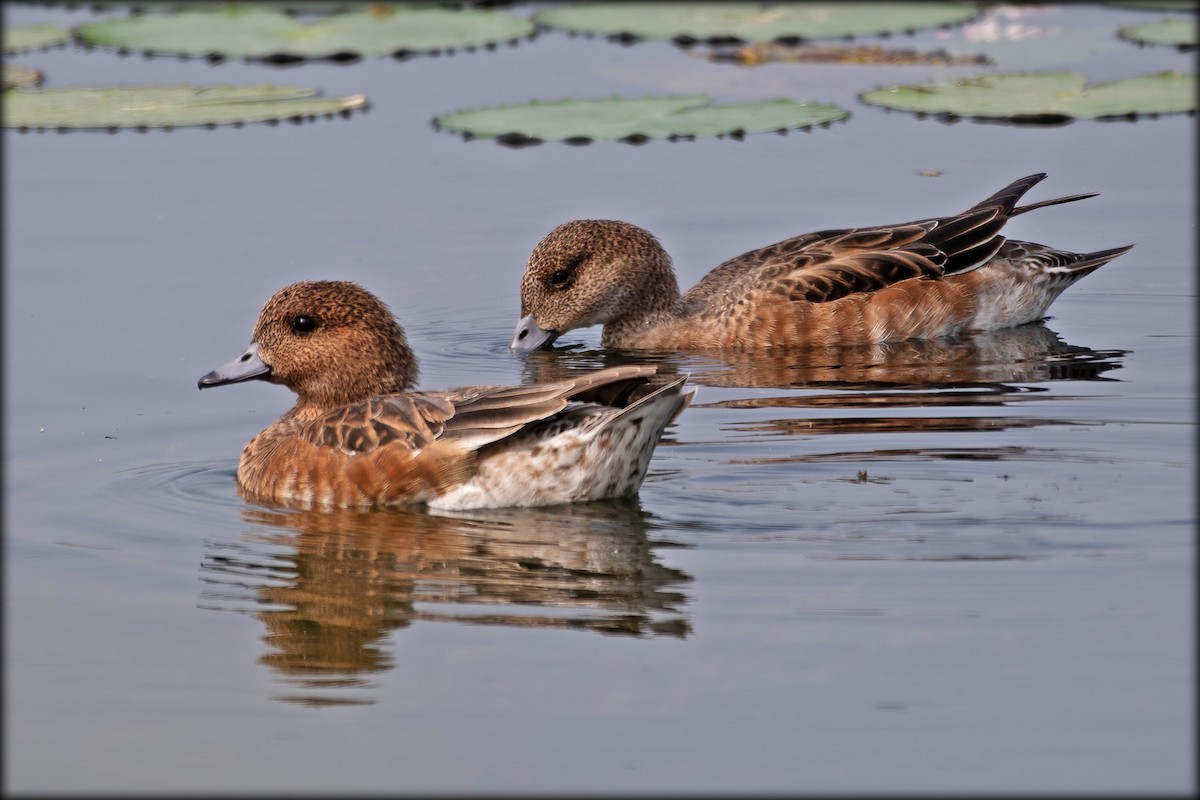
<point>529,337</point>
<point>248,366</point>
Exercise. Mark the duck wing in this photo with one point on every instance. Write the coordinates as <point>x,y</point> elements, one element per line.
<point>472,416</point>
<point>826,265</point>
<point>484,414</point>
<point>380,451</point>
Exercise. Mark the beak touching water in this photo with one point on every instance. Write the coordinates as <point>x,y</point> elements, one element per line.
<point>529,337</point>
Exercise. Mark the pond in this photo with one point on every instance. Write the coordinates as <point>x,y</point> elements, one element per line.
<point>945,566</point>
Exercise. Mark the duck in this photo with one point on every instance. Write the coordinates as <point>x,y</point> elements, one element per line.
<point>926,279</point>
<point>361,436</point>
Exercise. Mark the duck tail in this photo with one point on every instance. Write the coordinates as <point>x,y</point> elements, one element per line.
<point>1007,197</point>
<point>1058,268</point>
<point>663,404</point>
<point>1087,263</point>
<point>1042,204</point>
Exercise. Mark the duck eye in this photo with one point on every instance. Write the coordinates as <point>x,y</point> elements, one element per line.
<point>559,277</point>
<point>304,324</point>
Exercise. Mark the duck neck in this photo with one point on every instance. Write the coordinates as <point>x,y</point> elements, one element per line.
<point>394,375</point>
<point>659,304</point>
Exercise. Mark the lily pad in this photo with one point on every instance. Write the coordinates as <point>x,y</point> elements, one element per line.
<point>687,23</point>
<point>1176,32</point>
<point>15,76</point>
<point>634,119</point>
<point>259,32</point>
<point>23,38</point>
<point>167,106</point>
<point>1042,96</point>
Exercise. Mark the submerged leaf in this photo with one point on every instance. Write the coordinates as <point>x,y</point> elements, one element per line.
<point>634,118</point>
<point>772,52</point>
<point>166,106</point>
<point>246,31</point>
<point>750,22</point>
<point>23,38</point>
<point>1042,96</point>
<point>1176,32</point>
<point>21,76</point>
<point>1155,5</point>
<point>286,6</point>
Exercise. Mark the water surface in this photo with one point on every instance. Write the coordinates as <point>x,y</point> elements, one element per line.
<point>955,566</point>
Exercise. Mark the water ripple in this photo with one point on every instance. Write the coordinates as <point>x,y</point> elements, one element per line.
<point>204,488</point>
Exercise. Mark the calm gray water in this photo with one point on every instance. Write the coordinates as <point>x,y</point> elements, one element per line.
<point>942,567</point>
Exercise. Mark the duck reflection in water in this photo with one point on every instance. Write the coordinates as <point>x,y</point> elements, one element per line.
<point>961,375</point>
<point>1030,353</point>
<point>330,585</point>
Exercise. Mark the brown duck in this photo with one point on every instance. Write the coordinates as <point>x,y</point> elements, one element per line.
<point>359,437</point>
<point>924,279</point>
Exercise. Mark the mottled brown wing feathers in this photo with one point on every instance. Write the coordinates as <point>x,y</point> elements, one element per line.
<point>829,276</point>
<point>858,240</point>
<point>378,451</point>
<point>827,265</point>
<point>410,420</point>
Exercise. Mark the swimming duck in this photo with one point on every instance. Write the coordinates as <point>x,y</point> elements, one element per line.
<point>358,436</point>
<point>924,279</point>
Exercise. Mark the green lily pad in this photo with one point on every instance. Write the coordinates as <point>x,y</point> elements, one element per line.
<point>259,32</point>
<point>15,76</point>
<point>747,22</point>
<point>633,119</point>
<point>1175,32</point>
<point>1042,96</point>
<point>167,106</point>
<point>23,38</point>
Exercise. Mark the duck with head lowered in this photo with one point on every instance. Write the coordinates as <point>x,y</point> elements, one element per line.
<point>924,279</point>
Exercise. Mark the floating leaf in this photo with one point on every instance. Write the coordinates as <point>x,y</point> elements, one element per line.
<point>257,32</point>
<point>746,22</point>
<point>24,38</point>
<point>634,119</point>
<point>1175,32</point>
<point>1042,96</point>
<point>15,76</point>
<point>750,55</point>
<point>167,106</point>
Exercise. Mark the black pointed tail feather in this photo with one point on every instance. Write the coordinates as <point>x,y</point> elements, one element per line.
<point>1007,197</point>
<point>1043,203</point>
<point>973,237</point>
